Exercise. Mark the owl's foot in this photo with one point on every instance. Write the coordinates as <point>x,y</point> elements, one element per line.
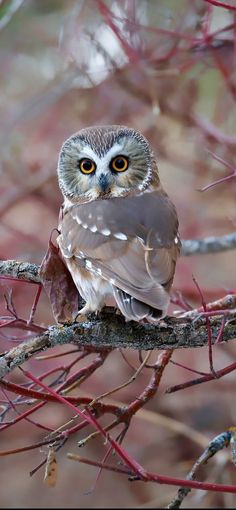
<point>118,312</point>
<point>82,315</point>
<point>80,318</point>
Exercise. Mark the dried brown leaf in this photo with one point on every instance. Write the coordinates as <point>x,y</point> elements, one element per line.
<point>58,284</point>
<point>50,477</point>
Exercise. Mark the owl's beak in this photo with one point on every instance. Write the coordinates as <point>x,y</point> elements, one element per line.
<point>103,183</point>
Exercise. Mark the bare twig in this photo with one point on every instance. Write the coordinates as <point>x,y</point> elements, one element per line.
<point>19,271</point>
<point>224,5</point>
<point>224,303</point>
<point>153,477</point>
<point>218,443</point>
<point>11,9</point>
<point>210,244</point>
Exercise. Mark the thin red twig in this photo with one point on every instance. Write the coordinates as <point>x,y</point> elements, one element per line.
<point>153,477</point>
<point>87,415</point>
<point>208,377</point>
<point>224,5</point>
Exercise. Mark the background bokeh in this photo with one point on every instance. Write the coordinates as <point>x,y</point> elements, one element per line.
<point>166,68</point>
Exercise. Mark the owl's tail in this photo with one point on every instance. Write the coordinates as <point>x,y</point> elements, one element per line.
<point>136,310</point>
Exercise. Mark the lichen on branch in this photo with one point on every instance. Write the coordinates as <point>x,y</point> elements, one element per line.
<point>110,330</point>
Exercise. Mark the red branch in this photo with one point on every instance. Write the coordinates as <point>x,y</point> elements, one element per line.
<point>224,5</point>
<point>166,480</point>
<point>207,377</point>
<point>87,415</point>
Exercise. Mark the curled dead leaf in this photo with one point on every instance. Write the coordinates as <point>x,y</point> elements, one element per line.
<point>51,469</point>
<point>58,284</point>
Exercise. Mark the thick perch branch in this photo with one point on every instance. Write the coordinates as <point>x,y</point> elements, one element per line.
<point>20,270</point>
<point>111,331</point>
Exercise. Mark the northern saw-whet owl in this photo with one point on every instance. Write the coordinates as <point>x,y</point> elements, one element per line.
<point>118,228</point>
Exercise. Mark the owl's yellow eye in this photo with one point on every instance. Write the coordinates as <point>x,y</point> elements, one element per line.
<point>87,166</point>
<point>119,164</point>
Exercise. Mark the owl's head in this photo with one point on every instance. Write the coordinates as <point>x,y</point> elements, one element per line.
<point>104,162</point>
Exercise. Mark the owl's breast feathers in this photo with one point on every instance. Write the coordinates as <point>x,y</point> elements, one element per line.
<point>130,242</point>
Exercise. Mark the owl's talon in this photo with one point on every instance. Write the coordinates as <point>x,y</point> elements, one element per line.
<point>80,318</point>
<point>85,313</point>
<point>162,324</point>
<point>118,312</point>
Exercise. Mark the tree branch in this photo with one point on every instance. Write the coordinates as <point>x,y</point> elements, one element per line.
<point>20,270</point>
<point>209,245</point>
<point>111,331</point>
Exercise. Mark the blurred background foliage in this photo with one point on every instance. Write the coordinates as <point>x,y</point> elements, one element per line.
<point>166,68</point>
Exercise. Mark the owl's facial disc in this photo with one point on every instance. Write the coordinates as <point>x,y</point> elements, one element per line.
<point>104,162</point>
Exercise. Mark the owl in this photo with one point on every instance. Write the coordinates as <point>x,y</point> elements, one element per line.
<point>118,228</point>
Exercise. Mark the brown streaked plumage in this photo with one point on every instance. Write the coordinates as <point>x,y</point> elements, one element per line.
<point>119,229</point>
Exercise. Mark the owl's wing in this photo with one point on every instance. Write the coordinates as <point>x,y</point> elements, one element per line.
<point>130,241</point>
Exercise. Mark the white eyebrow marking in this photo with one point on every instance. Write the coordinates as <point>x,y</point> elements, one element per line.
<point>88,152</point>
<point>93,228</point>
<point>120,235</point>
<point>106,232</point>
<point>101,162</point>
